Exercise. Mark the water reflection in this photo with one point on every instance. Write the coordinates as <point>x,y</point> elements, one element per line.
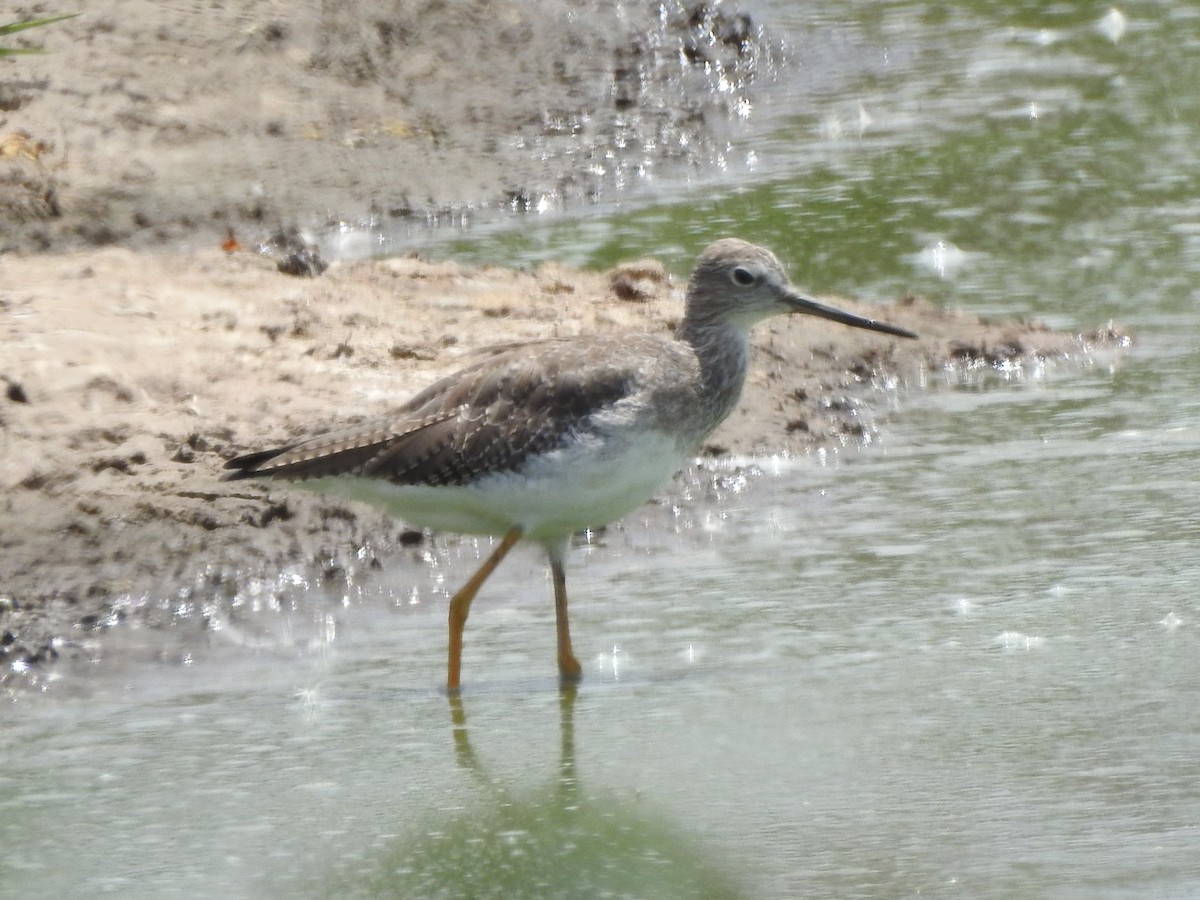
<point>557,841</point>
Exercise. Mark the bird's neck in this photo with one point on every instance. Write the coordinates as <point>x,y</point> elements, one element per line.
<point>723,351</point>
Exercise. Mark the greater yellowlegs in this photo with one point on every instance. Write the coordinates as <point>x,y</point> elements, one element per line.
<point>545,439</point>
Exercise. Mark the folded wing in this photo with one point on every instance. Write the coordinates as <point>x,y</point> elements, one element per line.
<point>486,419</point>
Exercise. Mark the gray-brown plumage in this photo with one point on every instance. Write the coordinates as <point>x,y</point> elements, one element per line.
<point>484,419</point>
<point>540,440</point>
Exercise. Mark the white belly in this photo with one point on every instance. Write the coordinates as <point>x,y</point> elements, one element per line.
<point>586,485</point>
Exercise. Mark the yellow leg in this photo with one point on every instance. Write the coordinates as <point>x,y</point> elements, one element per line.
<point>460,606</point>
<point>569,669</point>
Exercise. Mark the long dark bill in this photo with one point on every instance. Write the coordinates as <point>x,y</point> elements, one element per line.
<point>802,304</point>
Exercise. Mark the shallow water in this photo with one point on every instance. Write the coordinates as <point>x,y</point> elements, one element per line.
<point>964,660</point>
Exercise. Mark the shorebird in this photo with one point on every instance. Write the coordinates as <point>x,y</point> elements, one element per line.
<point>544,439</point>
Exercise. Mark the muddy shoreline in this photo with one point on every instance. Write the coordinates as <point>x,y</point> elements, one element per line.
<point>138,355</point>
<point>147,125</point>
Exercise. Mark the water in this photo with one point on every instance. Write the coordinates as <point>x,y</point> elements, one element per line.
<point>962,662</point>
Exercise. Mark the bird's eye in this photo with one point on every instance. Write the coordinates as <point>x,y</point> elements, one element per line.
<point>743,277</point>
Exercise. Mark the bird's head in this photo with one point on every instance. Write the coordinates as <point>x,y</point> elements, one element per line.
<point>738,283</point>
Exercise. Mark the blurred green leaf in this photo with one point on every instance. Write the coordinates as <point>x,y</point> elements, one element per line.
<point>14,27</point>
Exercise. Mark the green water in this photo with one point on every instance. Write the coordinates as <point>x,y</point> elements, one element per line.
<point>964,661</point>
<point>1061,164</point>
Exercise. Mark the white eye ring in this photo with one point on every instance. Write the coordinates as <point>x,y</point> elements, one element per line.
<point>742,277</point>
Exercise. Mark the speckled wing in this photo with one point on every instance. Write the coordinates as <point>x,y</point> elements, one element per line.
<point>489,418</point>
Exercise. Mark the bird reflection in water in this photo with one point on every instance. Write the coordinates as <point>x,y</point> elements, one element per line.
<point>559,840</point>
